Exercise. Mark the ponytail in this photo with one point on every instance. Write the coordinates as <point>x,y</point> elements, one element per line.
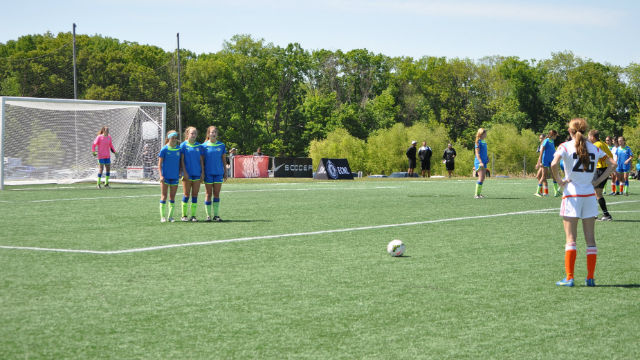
<point>479,134</point>
<point>578,127</point>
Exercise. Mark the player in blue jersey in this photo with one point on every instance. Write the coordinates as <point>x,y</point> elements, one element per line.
<point>623,158</point>
<point>169,170</point>
<point>193,171</point>
<point>547,149</point>
<point>481,160</point>
<point>215,162</point>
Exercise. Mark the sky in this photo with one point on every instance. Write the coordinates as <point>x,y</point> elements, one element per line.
<point>603,31</point>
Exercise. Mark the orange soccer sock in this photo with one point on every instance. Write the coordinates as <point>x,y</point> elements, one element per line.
<point>592,255</point>
<point>569,259</point>
<point>621,188</point>
<point>613,186</point>
<point>546,189</point>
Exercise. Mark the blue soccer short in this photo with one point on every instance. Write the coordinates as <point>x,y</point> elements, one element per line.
<point>104,161</point>
<point>172,182</point>
<point>213,179</point>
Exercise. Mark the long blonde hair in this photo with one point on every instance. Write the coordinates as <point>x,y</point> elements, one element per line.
<point>187,130</point>
<point>209,130</point>
<point>103,130</point>
<point>578,128</point>
<point>479,134</point>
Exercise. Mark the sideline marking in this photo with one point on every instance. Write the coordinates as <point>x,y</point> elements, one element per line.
<point>320,232</point>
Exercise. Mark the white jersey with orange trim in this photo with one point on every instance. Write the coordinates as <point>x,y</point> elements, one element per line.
<point>581,177</point>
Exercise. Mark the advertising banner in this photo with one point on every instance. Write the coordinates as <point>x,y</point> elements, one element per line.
<point>249,166</point>
<point>334,169</point>
<point>292,167</point>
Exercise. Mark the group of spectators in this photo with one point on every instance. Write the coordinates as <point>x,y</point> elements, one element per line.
<point>424,153</point>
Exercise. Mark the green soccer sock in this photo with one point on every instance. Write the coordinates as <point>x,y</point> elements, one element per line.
<point>184,208</point>
<point>193,208</point>
<point>106,180</point>
<point>163,209</point>
<point>207,208</point>
<point>556,188</point>
<point>478,188</point>
<point>99,177</point>
<point>216,207</point>
<point>172,205</point>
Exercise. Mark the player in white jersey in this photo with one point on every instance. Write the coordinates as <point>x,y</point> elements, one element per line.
<point>579,196</point>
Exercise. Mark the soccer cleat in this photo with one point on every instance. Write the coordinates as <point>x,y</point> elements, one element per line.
<point>184,218</point>
<point>98,186</point>
<point>538,194</point>
<point>590,282</point>
<point>565,282</point>
<point>617,193</point>
<point>217,219</point>
<point>605,218</point>
<point>556,194</point>
<point>106,186</point>
<point>171,219</point>
<point>163,220</point>
<point>208,219</point>
<point>611,193</point>
<point>193,219</point>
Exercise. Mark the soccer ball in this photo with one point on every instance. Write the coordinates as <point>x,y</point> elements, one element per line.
<point>396,248</point>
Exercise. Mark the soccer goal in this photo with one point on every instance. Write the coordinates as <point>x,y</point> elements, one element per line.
<point>49,140</point>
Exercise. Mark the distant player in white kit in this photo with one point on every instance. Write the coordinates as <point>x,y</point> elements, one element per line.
<point>579,196</point>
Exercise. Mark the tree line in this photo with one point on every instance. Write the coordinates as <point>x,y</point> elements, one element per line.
<point>286,98</point>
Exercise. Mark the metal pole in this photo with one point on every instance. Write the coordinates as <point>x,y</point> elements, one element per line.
<point>75,79</point>
<point>179,91</point>
<point>524,166</point>
<point>493,161</point>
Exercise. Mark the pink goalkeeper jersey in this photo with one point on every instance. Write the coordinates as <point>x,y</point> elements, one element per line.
<point>104,144</point>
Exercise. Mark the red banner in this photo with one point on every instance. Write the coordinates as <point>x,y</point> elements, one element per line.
<point>249,166</point>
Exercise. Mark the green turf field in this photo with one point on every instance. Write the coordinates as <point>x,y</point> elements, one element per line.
<point>299,270</point>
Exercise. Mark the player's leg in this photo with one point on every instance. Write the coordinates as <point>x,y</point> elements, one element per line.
<point>545,183</point>
<point>208,186</point>
<point>164,189</point>
<point>613,183</point>
<point>539,175</point>
<point>217,186</point>
<point>173,189</point>
<point>588,227</point>
<point>570,225</point>
<point>482,172</point>
<point>195,188</point>
<point>626,183</point>
<point>186,191</point>
<point>107,173</point>
<point>100,170</point>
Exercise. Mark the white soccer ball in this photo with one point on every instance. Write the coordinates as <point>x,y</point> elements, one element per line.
<point>396,248</point>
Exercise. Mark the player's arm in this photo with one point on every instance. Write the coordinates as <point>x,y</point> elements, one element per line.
<point>185,175</point>
<point>630,158</point>
<point>160,161</point>
<point>611,165</point>
<point>555,166</point>
<point>478,157</point>
<point>542,149</point>
<point>202,167</point>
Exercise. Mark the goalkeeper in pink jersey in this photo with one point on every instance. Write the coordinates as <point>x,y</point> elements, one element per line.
<point>103,144</point>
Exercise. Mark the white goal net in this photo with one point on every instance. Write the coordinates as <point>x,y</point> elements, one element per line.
<point>49,140</point>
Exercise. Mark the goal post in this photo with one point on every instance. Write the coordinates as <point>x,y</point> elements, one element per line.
<point>49,140</point>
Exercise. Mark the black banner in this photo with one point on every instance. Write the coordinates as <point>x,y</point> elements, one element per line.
<point>334,169</point>
<point>292,167</point>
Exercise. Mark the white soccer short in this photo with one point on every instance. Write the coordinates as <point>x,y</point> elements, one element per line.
<point>579,206</point>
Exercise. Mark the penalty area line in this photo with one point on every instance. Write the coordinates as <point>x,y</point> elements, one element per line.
<point>276,236</point>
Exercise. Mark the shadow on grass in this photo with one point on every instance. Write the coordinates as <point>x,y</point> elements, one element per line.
<point>626,286</point>
<point>637,221</point>
<point>244,221</point>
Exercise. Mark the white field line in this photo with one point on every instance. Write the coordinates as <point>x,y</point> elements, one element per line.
<point>223,191</point>
<point>321,232</point>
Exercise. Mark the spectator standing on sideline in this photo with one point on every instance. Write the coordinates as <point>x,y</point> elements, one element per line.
<point>424,153</point>
<point>232,153</point>
<point>411,155</point>
<point>258,152</point>
<point>449,158</point>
